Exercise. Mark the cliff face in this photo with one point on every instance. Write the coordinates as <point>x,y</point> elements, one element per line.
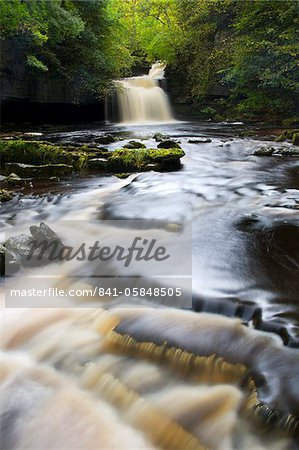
<point>28,95</point>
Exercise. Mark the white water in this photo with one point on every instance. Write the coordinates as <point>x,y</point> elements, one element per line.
<point>141,100</point>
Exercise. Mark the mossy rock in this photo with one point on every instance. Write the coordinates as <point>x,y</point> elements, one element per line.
<point>280,151</point>
<point>106,139</point>
<point>169,144</point>
<point>41,171</point>
<point>291,122</point>
<point>134,144</point>
<point>5,195</point>
<point>32,158</point>
<point>98,164</point>
<point>13,179</point>
<point>287,134</point>
<point>122,175</point>
<point>159,137</point>
<point>264,151</point>
<point>295,139</point>
<point>125,160</point>
<point>41,153</point>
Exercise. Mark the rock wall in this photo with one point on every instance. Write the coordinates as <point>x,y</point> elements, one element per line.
<point>41,96</point>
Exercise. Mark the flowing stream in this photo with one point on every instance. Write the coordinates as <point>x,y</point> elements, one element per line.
<point>91,374</point>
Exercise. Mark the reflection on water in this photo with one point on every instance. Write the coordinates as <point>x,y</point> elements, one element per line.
<point>135,374</point>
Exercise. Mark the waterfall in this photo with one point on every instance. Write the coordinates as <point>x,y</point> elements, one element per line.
<point>141,99</point>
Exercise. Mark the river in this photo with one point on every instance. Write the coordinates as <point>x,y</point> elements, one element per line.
<point>75,370</point>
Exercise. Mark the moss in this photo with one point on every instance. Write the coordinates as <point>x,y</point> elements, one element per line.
<point>5,195</point>
<point>287,134</point>
<point>169,144</point>
<point>41,153</point>
<point>125,160</point>
<point>118,161</point>
<point>134,144</point>
<point>98,164</point>
<point>291,122</point>
<point>13,179</point>
<point>40,171</point>
<point>122,175</point>
<point>295,139</point>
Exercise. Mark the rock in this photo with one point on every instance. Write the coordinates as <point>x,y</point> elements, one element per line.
<point>41,153</point>
<point>152,166</point>
<point>125,160</point>
<point>98,163</point>
<point>287,134</point>
<point>5,195</point>
<point>106,140</point>
<point>199,141</point>
<point>287,151</point>
<point>20,247</point>
<point>8,265</point>
<point>277,151</point>
<point>36,250</point>
<point>264,151</point>
<point>122,175</point>
<point>44,232</point>
<point>159,137</point>
<point>40,171</point>
<point>295,139</point>
<point>13,179</point>
<point>168,144</point>
<point>134,144</point>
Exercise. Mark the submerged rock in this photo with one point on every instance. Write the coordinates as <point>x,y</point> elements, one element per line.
<point>169,144</point>
<point>277,151</point>
<point>134,144</point>
<point>41,171</point>
<point>200,140</point>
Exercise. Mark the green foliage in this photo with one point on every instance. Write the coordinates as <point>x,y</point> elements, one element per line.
<point>213,47</point>
<point>68,38</point>
<point>32,61</point>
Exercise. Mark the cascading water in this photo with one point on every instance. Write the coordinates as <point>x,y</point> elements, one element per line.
<point>142,100</point>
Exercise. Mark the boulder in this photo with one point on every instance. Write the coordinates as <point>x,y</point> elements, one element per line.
<point>138,160</point>
<point>169,144</point>
<point>159,137</point>
<point>134,144</point>
<point>40,171</point>
<point>36,250</point>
